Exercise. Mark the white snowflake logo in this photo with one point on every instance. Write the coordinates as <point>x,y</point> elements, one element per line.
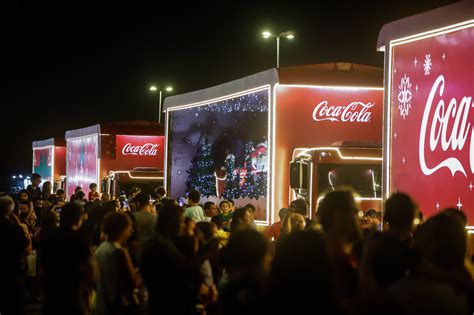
<point>404,96</point>
<point>427,65</point>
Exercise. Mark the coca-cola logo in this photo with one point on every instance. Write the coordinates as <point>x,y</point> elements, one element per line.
<point>145,149</point>
<point>354,112</point>
<point>448,128</point>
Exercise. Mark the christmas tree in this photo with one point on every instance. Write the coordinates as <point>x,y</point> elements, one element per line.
<point>230,177</point>
<point>201,171</point>
<point>249,183</point>
<point>261,187</point>
<point>237,188</point>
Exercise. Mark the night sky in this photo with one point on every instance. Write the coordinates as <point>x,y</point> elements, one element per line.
<point>69,65</point>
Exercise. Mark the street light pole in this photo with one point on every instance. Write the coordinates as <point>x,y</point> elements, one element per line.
<point>287,35</point>
<point>154,89</point>
<point>159,110</point>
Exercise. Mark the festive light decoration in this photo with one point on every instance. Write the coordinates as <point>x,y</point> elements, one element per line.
<point>201,172</point>
<point>248,188</point>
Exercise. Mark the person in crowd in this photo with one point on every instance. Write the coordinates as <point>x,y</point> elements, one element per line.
<point>24,207</point>
<point>210,210</point>
<point>14,245</point>
<point>105,197</point>
<point>46,190</point>
<point>74,195</point>
<point>373,219</point>
<point>293,221</point>
<point>132,194</point>
<point>252,209</point>
<point>23,195</point>
<point>221,234</point>
<point>300,206</point>
<point>274,230</point>
<point>160,193</point>
<point>145,220</point>
<point>338,216</point>
<point>399,216</point>
<point>60,195</point>
<point>93,193</point>
<point>118,280</point>
<point>189,226</point>
<point>91,230</point>
<point>194,210</point>
<point>68,269</point>
<point>302,271</point>
<point>39,206</point>
<point>164,269</point>
<point>225,207</point>
<point>241,219</point>
<point>440,283</point>
<point>80,198</point>
<point>247,261</point>
<point>34,190</point>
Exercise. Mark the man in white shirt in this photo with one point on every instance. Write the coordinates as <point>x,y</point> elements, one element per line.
<point>194,210</point>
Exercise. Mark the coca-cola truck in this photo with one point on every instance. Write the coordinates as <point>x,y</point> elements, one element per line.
<point>241,136</point>
<point>428,129</point>
<point>49,160</point>
<point>115,156</point>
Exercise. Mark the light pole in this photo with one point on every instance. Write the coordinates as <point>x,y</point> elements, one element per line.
<point>153,88</point>
<point>287,35</point>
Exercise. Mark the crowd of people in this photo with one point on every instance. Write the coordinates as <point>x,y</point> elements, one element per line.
<point>142,254</point>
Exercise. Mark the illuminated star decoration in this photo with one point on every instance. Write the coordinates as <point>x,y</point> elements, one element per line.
<point>404,96</point>
<point>427,64</point>
<point>444,56</point>
<point>470,186</point>
<point>437,205</point>
<point>403,160</point>
<point>459,204</point>
<point>415,62</point>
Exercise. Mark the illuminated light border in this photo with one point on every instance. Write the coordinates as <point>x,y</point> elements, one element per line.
<point>112,173</point>
<point>273,127</point>
<point>388,117</point>
<point>269,214</point>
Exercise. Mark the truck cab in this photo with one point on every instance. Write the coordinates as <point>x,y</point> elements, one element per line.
<point>316,171</point>
<point>146,178</point>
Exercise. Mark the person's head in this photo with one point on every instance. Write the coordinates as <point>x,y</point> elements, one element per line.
<point>38,202</point>
<point>35,179</point>
<point>442,241</point>
<point>194,197</point>
<point>31,219</point>
<point>400,213</point>
<point>24,206</point>
<point>458,213</point>
<point>60,194</point>
<point>71,216</point>
<point>47,188</point>
<point>80,195</point>
<point>282,213</point>
<point>23,195</point>
<point>252,209</point>
<point>217,220</point>
<point>77,189</point>
<point>210,209</point>
<point>189,226</point>
<point>337,213</point>
<point>241,219</point>
<point>142,201</point>
<point>105,197</point>
<point>160,192</point>
<point>247,253</point>
<point>6,206</point>
<point>117,227</point>
<point>206,229</point>
<point>372,217</point>
<point>300,206</point>
<point>93,187</point>
<point>225,206</point>
<point>171,221</point>
<point>298,222</point>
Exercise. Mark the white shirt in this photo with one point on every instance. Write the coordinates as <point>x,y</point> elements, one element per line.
<point>195,212</point>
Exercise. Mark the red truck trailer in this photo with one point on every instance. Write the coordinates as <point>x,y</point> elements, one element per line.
<point>236,140</point>
<point>49,160</point>
<point>115,156</point>
<point>428,126</point>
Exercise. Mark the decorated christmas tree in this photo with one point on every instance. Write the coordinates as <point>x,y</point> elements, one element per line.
<point>201,171</point>
<point>230,176</point>
<point>248,189</point>
<point>261,186</point>
<point>237,187</point>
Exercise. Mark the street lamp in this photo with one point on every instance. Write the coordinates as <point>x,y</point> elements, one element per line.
<point>287,35</point>
<point>153,88</point>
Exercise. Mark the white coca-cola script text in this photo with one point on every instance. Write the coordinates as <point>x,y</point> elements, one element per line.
<point>145,149</point>
<point>448,126</point>
<point>354,112</point>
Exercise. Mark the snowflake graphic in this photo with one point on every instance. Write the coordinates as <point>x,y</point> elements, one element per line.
<point>404,96</point>
<point>427,65</point>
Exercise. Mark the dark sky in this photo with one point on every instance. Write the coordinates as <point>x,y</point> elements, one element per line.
<point>68,65</point>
